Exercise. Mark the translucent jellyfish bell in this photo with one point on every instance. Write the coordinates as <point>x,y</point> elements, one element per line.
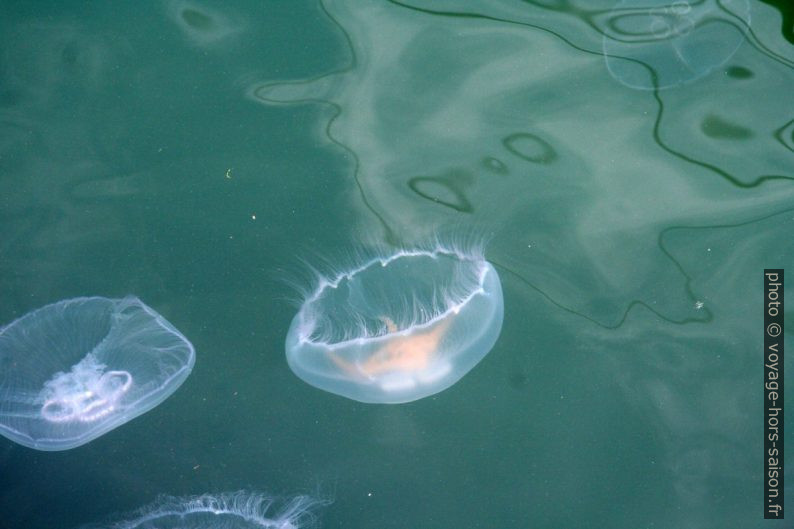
<point>398,328</point>
<point>228,510</point>
<point>73,370</point>
<point>678,41</point>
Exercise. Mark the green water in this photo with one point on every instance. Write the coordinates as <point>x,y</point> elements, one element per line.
<point>197,154</point>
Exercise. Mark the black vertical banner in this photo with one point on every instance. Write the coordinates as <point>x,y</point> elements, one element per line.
<point>773,394</point>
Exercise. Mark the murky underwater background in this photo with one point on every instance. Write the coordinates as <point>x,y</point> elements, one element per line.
<point>195,153</point>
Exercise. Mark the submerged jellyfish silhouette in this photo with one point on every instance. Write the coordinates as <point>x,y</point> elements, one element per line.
<point>398,327</point>
<point>230,510</point>
<point>673,40</point>
<point>73,370</point>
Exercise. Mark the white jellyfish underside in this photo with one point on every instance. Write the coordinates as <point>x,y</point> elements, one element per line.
<point>87,393</point>
<point>73,370</point>
<point>398,327</point>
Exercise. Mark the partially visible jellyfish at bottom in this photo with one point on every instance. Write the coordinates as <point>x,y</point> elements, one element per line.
<point>398,326</point>
<point>229,510</point>
<point>675,41</point>
<point>76,369</point>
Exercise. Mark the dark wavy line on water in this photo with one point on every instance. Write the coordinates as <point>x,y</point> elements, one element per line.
<point>479,16</point>
<point>654,79</point>
<point>391,236</point>
<point>657,139</point>
<point>629,307</point>
<point>705,165</point>
<point>669,229</point>
<point>635,303</point>
<point>337,111</point>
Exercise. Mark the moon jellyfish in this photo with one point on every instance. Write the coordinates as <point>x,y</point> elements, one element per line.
<point>231,510</point>
<point>73,370</point>
<point>673,41</point>
<point>398,327</point>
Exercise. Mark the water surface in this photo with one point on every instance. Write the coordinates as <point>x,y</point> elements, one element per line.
<point>193,153</point>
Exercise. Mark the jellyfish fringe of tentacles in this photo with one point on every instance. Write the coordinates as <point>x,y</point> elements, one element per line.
<point>397,325</point>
